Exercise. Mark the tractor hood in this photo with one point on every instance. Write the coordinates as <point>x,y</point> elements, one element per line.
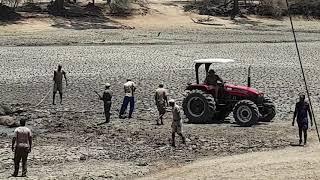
<point>241,90</point>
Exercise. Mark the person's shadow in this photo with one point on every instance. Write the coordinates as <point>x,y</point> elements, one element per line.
<point>296,145</point>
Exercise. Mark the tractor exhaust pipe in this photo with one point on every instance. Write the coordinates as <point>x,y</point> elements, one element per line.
<point>249,76</point>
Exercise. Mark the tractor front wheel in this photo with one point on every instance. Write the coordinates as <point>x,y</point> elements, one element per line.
<point>246,113</point>
<point>199,107</point>
<point>268,112</point>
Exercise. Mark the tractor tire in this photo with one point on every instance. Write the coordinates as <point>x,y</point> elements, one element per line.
<point>268,112</point>
<point>246,113</point>
<point>199,107</point>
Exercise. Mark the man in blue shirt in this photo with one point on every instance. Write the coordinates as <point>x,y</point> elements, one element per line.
<point>301,112</point>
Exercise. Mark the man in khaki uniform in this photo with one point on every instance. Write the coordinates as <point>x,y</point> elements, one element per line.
<point>176,122</point>
<point>21,146</point>
<point>57,78</point>
<point>161,98</point>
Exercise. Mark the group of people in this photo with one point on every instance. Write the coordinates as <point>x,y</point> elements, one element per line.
<point>22,140</point>
<point>161,101</point>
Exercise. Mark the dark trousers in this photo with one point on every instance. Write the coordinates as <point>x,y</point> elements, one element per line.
<point>107,107</point>
<point>20,153</point>
<point>125,103</point>
<point>304,130</point>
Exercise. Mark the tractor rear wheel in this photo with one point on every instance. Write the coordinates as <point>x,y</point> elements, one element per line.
<point>268,112</point>
<point>199,107</point>
<point>246,113</point>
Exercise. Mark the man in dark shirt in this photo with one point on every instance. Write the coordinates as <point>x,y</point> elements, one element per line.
<point>301,112</point>
<point>212,79</point>
<point>106,98</point>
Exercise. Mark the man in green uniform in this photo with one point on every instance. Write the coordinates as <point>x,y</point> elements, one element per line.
<point>106,98</point>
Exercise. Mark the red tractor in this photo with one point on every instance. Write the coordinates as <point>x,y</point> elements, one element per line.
<point>248,105</point>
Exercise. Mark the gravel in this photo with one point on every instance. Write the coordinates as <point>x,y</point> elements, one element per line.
<point>66,133</point>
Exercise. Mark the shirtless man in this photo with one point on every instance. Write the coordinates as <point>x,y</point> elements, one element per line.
<point>21,146</point>
<point>57,78</point>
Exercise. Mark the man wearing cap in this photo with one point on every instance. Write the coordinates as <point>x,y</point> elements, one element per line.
<point>301,112</point>
<point>106,98</point>
<point>212,79</point>
<point>57,78</point>
<point>129,89</point>
<point>161,98</point>
<point>176,122</point>
<point>21,146</point>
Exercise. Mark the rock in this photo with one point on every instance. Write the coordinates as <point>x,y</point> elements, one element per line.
<point>83,158</point>
<point>5,110</point>
<point>8,121</point>
<point>142,164</point>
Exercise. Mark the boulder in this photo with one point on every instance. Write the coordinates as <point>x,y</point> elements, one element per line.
<point>8,121</point>
<point>5,110</point>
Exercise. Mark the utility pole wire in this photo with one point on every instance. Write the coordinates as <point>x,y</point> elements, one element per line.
<point>303,75</point>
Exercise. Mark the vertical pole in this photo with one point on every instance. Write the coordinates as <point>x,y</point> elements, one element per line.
<point>301,66</point>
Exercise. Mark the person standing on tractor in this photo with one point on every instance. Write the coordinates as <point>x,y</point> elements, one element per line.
<point>213,79</point>
<point>161,99</point>
<point>301,112</point>
<point>21,146</point>
<point>129,89</point>
<point>176,123</point>
<point>106,98</point>
<point>57,78</point>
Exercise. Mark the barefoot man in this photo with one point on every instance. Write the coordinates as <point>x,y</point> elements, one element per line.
<point>21,146</point>
<point>57,78</point>
<point>161,98</point>
<point>176,122</point>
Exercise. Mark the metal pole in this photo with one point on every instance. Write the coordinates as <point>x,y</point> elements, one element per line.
<point>301,66</point>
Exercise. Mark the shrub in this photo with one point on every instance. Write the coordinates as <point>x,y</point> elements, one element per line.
<point>274,8</point>
<point>120,6</point>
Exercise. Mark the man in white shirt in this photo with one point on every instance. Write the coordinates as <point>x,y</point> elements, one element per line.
<point>21,146</point>
<point>129,89</point>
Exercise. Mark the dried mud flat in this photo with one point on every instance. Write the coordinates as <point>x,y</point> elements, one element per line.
<point>69,143</point>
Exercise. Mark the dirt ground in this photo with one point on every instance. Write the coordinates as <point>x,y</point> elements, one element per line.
<point>289,163</point>
<point>70,142</point>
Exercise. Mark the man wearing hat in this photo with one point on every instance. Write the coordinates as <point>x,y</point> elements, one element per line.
<point>106,98</point>
<point>161,98</point>
<point>21,146</point>
<point>176,122</point>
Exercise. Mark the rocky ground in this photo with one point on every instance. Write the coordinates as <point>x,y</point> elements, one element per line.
<point>69,142</point>
<point>68,137</point>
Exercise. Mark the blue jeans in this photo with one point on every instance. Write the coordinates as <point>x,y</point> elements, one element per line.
<point>125,103</point>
